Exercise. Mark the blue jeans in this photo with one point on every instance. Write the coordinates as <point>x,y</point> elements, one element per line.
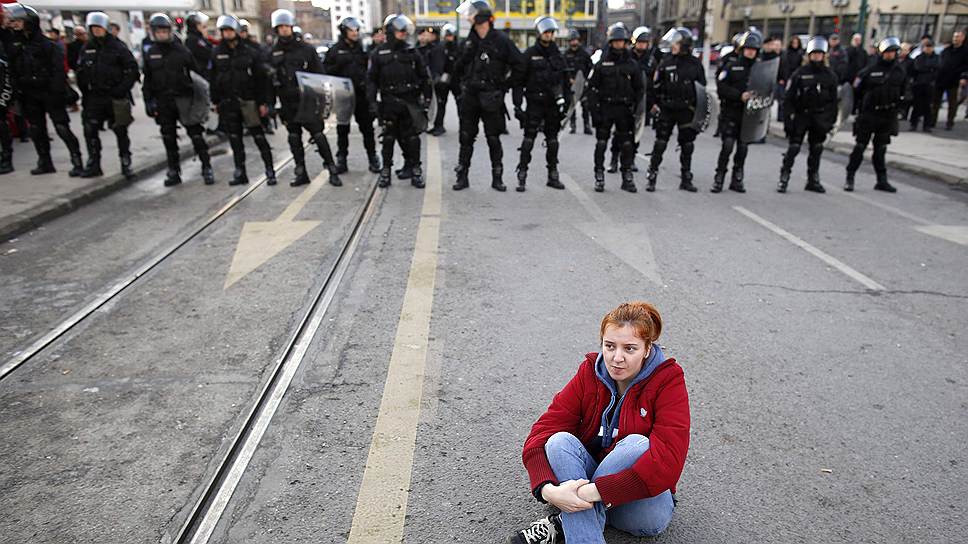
<point>571,461</point>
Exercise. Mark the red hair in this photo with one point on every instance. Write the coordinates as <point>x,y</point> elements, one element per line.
<point>641,316</point>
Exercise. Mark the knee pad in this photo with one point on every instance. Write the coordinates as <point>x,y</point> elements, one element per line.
<point>728,143</point>
<point>660,146</point>
<point>466,138</point>
<point>91,130</point>
<point>628,146</point>
<point>493,141</point>
<point>527,143</point>
<point>601,143</point>
<point>295,139</point>
<point>793,149</point>
<point>687,148</point>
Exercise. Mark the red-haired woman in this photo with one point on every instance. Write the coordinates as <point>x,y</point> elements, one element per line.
<point>612,444</point>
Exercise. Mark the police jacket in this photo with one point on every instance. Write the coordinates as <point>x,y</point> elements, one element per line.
<point>434,58</point>
<point>37,66</point>
<point>544,76</point>
<point>675,80</point>
<point>398,71</point>
<point>616,79</point>
<point>288,57</point>
<point>106,67</point>
<point>878,88</point>
<point>346,59</point>
<point>490,63</point>
<point>167,68</point>
<point>954,65</point>
<point>451,52</point>
<point>732,82</point>
<point>201,50</point>
<point>811,91</point>
<point>924,70</point>
<point>645,59</point>
<point>6,87</point>
<point>578,60</point>
<point>239,73</point>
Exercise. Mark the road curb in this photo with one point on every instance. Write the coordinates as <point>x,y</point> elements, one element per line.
<point>32,218</point>
<point>845,149</point>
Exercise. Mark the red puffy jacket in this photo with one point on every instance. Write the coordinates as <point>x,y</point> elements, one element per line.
<point>656,407</point>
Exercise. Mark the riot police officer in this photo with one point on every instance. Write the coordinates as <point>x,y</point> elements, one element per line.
<point>291,55</point>
<point>196,24</point>
<point>40,82</point>
<point>810,108</point>
<point>347,59</point>
<point>240,93</point>
<point>400,92</point>
<point>877,90</point>
<point>731,83</point>
<point>614,91</point>
<point>642,54</point>
<point>446,83</point>
<point>106,71</point>
<point>489,61</point>
<point>545,85</point>
<point>167,69</point>
<point>578,60</point>
<point>674,85</point>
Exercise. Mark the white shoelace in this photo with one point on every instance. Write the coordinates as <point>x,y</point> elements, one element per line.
<point>540,532</point>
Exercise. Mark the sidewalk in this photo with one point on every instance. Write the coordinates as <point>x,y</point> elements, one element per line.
<point>28,201</point>
<point>941,154</point>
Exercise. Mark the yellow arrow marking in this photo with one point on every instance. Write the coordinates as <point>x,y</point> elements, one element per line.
<point>263,240</point>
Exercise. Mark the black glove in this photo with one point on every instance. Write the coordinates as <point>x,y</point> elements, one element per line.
<point>374,110</point>
<point>519,114</point>
<point>562,106</point>
<point>151,108</point>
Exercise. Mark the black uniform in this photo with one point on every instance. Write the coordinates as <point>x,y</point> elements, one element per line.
<point>545,84</point>
<point>167,68</point>
<point>839,63</point>
<point>877,91</point>
<point>201,50</point>
<point>400,76</point>
<point>347,59</point>
<point>486,67</point>
<point>241,84</point>
<point>644,58</point>
<point>291,55</point>
<point>614,91</point>
<point>40,84</point>
<point>675,94</point>
<point>810,108</point>
<point>446,83</point>
<point>106,71</point>
<point>579,60</point>
<point>923,75</point>
<point>6,98</point>
<point>731,83</point>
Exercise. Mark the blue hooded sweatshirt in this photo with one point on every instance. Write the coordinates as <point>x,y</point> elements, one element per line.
<point>609,429</point>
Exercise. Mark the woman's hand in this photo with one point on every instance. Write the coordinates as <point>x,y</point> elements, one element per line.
<point>589,493</point>
<point>565,496</point>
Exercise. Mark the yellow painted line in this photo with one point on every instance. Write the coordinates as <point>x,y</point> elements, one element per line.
<point>381,507</point>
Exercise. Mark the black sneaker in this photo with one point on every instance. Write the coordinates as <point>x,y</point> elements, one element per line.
<point>544,531</point>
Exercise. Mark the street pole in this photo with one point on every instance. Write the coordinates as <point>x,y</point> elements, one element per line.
<point>601,23</point>
<point>862,22</point>
<point>702,32</point>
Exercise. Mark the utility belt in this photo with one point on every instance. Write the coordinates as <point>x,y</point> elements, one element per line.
<point>402,89</point>
<point>883,107</point>
<point>611,99</point>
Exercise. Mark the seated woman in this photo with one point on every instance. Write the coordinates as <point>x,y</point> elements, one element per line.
<point>612,445</point>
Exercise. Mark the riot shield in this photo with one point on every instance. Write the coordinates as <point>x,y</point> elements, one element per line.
<point>432,109</point>
<point>700,117</point>
<point>421,118</point>
<point>845,105</point>
<point>640,113</point>
<point>325,98</point>
<point>193,110</point>
<point>577,89</point>
<point>761,84</point>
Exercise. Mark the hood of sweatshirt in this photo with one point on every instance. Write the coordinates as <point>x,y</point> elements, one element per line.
<point>609,428</point>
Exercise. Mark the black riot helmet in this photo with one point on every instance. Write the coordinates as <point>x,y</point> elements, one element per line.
<point>194,18</point>
<point>618,32</point>
<point>282,17</point>
<point>890,43</point>
<point>349,23</point>
<point>398,23</point>
<point>680,35</point>
<point>641,34</point>
<point>158,21</point>
<point>477,11</point>
<point>25,13</point>
<point>228,21</point>
<point>751,39</point>
<point>817,44</point>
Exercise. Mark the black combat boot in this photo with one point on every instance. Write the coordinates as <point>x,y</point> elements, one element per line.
<point>522,179</point>
<point>781,187</point>
<point>883,185</point>
<point>341,166</point>
<point>270,175</point>
<point>849,183</point>
<point>554,181</point>
<point>718,179</point>
<point>405,172</point>
<point>208,175</point>
<point>736,183</point>
<point>44,166</point>
<point>813,183</point>
<point>302,178</point>
<point>77,165</point>
<point>650,177</point>
<point>334,176</point>
<point>588,130</point>
<point>93,167</point>
<point>613,164</point>
<point>6,162</point>
<point>685,183</point>
<point>599,180</point>
<point>417,179</point>
<point>572,129</point>
<point>628,184</point>
<point>497,172</point>
<point>462,182</point>
<point>173,177</point>
<point>239,177</point>
<point>374,160</point>
<point>383,181</point>
<point>126,169</point>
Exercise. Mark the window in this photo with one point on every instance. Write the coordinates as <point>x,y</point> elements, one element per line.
<point>206,4</point>
<point>238,5</point>
<point>907,27</point>
<point>950,24</point>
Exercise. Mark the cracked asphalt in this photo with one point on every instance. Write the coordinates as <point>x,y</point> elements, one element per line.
<point>823,411</point>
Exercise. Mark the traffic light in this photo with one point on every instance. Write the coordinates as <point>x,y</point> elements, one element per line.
<point>180,23</point>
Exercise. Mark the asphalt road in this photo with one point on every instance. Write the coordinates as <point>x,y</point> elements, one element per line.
<point>822,337</point>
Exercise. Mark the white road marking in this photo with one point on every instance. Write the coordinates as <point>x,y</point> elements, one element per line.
<point>829,259</point>
<point>889,208</point>
<point>381,506</point>
<point>952,233</point>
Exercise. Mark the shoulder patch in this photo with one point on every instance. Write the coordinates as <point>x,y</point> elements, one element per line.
<point>222,56</point>
<point>737,68</point>
<point>384,52</point>
<point>277,53</point>
<point>155,56</point>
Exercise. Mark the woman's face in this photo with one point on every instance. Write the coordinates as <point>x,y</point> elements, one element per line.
<point>624,352</point>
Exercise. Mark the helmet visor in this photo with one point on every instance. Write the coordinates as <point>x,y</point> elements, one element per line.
<point>545,24</point>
